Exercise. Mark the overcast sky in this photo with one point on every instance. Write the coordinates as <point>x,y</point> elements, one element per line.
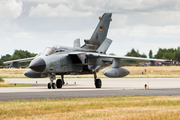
<point>34,25</point>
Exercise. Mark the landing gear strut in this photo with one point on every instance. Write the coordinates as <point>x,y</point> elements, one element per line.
<point>51,84</point>
<point>62,77</point>
<point>97,82</point>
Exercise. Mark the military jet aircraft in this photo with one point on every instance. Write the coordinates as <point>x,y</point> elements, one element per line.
<point>78,60</point>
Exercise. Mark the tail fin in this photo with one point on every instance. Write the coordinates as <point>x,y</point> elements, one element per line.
<point>77,43</point>
<point>104,46</point>
<point>100,33</point>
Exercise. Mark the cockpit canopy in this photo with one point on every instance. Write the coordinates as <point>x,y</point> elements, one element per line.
<point>48,51</point>
<point>54,49</point>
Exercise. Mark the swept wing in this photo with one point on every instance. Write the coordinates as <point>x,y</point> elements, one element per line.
<point>19,60</point>
<point>96,55</point>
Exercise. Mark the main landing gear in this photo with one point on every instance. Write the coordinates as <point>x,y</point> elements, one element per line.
<point>59,82</point>
<point>97,82</point>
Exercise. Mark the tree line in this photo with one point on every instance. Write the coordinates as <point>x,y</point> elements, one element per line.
<point>162,53</point>
<point>18,54</point>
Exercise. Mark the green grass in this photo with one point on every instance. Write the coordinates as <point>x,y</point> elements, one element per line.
<point>1,79</point>
<point>124,107</point>
<point>17,85</point>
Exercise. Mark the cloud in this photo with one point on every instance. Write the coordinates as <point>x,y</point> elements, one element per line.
<point>143,5</point>
<point>10,9</point>
<point>47,1</point>
<point>23,35</point>
<point>116,5</point>
<point>141,24</point>
<point>44,10</point>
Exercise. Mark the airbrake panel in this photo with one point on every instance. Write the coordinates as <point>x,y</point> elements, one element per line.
<point>78,58</point>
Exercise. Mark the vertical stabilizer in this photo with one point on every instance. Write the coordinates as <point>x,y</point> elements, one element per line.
<point>104,46</point>
<point>100,33</point>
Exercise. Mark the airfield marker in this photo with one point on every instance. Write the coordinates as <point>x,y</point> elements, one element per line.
<point>145,86</point>
<point>151,71</point>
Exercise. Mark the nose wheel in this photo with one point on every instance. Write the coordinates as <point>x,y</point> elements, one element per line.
<point>51,85</point>
<point>59,82</point>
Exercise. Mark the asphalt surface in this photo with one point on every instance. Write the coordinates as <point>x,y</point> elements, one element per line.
<point>84,87</point>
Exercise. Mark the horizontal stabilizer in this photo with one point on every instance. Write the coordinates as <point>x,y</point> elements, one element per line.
<point>104,46</point>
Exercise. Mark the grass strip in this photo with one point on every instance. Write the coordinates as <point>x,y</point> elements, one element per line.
<point>124,107</point>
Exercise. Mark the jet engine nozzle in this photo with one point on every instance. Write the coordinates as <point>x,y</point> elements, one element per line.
<point>116,72</point>
<point>38,65</point>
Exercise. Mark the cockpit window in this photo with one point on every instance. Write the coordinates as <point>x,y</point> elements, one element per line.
<point>48,51</point>
<point>61,50</point>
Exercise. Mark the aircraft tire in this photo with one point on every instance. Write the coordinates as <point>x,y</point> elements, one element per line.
<point>49,86</point>
<point>59,83</point>
<point>53,86</point>
<point>98,83</point>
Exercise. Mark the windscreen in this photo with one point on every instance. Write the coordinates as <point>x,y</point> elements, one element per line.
<point>48,51</point>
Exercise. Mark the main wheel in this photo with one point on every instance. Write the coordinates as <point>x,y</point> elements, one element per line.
<point>53,86</point>
<point>49,86</point>
<point>59,83</point>
<point>98,83</point>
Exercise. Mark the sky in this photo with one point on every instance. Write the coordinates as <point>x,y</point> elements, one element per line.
<point>144,25</point>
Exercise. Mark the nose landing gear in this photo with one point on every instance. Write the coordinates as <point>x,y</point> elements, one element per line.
<point>59,82</point>
<point>51,84</point>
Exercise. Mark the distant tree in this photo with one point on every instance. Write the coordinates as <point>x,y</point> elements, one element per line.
<point>150,54</point>
<point>168,53</point>
<point>112,53</point>
<point>18,54</point>
<point>134,53</point>
<point>143,55</point>
<point>1,62</point>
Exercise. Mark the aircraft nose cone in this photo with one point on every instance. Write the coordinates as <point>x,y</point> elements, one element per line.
<point>38,65</point>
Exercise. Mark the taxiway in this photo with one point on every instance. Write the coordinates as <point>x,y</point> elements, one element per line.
<point>84,87</point>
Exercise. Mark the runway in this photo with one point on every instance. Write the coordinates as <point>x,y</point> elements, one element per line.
<point>84,87</point>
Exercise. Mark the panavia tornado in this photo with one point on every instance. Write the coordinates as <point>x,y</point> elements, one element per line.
<point>78,60</point>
